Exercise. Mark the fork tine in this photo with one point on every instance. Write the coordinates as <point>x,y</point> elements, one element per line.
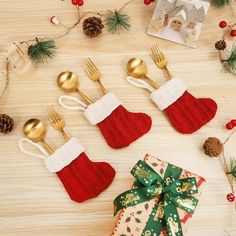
<point>162,56</point>
<point>153,54</point>
<point>49,114</point>
<point>156,53</point>
<point>53,117</point>
<point>55,113</point>
<point>88,68</point>
<point>91,65</point>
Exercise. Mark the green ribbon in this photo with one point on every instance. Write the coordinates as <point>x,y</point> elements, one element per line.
<point>170,191</point>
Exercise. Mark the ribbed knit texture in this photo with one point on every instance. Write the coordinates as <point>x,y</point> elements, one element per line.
<point>122,127</point>
<point>188,114</point>
<point>84,179</point>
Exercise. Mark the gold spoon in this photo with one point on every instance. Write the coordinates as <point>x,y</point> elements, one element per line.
<point>137,68</point>
<point>35,130</point>
<point>69,82</point>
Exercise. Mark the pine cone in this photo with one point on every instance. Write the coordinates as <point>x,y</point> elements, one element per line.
<point>6,123</point>
<point>220,45</point>
<point>213,147</point>
<point>92,26</point>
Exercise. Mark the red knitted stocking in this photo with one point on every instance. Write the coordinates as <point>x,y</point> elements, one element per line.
<point>186,113</point>
<point>82,178</point>
<point>118,126</point>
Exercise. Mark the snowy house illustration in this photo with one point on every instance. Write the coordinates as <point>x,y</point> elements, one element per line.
<point>179,20</point>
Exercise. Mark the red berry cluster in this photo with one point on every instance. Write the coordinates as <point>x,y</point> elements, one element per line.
<point>231,124</point>
<point>230,197</point>
<point>147,2</point>
<point>77,2</point>
<point>224,24</point>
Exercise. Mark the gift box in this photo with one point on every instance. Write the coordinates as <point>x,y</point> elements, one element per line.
<point>161,202</point>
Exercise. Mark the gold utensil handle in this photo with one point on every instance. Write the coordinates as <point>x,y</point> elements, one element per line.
<point>84,96</point>
<point>48,148</point>
<point>151,82</point>
<point>64,135</point>
<point>101,86</point>
<point>168,73</point>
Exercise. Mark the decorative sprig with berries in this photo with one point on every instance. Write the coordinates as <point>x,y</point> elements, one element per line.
<point>43,49</point>
<point>227,56</point>
<point>213,147</point>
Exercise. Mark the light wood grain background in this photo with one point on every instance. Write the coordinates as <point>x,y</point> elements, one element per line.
<point>33,201</point>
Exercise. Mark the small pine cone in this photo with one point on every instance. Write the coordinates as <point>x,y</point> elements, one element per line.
<point>220,45</point>
<point>92,26</point>
<point>213,147</point>
<point>6,123</point>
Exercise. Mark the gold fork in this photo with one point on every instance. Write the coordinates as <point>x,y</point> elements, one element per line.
<point>57,121</point>
<point>160,60</point>
<point>93,73</point>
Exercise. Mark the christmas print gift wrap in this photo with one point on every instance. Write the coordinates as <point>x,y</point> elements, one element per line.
<point>162,200</point>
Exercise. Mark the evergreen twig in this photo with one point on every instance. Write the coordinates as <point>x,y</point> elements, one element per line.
<point>220,3</point>
<point>232,168</point>
<point>230,63</point>
<point>117,21</point>
<point>42,50</point>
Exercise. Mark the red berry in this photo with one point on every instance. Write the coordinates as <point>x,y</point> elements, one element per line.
<point>230,197</point>
<point>233,33</point>
<point>75,2</point>
<point>229,125</point>
<point>80,2</point>
<point>233,122</point>
<point>223,24</point>
<point>147,2</point>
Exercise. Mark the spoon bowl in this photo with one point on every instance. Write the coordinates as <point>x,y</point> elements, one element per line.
<point>69,83</point>
<point>137,68</point>
<point>35,130</point>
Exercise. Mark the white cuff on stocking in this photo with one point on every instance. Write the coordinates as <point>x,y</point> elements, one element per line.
<point>168,93</point>
<point>101,109</point>
<point>63,156</point>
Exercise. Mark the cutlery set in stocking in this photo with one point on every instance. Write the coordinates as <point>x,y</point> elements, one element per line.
<point>118,126</point>
<point>186,112</point>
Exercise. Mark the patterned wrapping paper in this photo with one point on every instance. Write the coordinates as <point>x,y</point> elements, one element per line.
<point>133,220</point>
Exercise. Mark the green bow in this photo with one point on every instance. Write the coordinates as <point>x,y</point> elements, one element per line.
<point>170,191</point>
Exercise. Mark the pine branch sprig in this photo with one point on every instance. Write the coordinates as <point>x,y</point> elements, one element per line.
<point>42,50</point>
<point>232,169</point>
<point>117,21</point>
<point>230,63</point>
<point>220,3</point>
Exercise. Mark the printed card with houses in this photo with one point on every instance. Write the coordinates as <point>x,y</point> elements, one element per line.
<point>179,21</point>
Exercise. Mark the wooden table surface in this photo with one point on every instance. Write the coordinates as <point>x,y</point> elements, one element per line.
<point>32,200</point>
